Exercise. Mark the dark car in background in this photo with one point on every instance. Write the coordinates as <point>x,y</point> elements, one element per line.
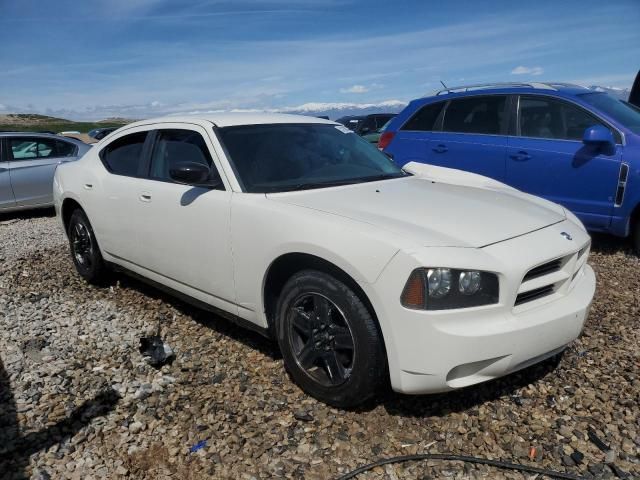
<point>100,133</point>
<point>366,124</point>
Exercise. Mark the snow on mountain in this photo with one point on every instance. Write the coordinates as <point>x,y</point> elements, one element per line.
<point>331,110</point>
<point>342,109</point>
<point>621,93</point>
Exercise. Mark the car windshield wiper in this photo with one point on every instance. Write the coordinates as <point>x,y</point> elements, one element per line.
<point>382,176</point>
<point>312,185</point>
<point>337,183</point>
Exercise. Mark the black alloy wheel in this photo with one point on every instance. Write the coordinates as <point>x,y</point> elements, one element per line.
<point>85,251</point>
<point>322,341</point>
<point>330,341</point>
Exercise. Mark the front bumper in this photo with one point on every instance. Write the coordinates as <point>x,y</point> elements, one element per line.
<point>436,351</point>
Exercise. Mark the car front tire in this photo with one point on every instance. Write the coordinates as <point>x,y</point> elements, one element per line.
<point>635,237</point>
<point>330,342</point>
<point>84,249</point>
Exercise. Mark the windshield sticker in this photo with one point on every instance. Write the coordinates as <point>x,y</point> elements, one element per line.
<point>343,129</point>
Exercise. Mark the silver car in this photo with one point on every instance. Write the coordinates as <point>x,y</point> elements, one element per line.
<point>27,164</point>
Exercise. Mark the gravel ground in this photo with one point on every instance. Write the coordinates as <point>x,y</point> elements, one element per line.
<point>78,401</point>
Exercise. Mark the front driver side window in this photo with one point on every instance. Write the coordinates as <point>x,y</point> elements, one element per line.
<point>124,155</point>
<point>552,119</point>
<point>175,146</point>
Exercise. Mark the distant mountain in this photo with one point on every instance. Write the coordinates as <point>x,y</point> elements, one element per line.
<point>32,122</point>
<point>621,93</point>
<point>28,119</point>
<point>337,110</point>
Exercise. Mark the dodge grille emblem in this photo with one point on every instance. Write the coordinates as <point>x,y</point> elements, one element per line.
<point>566,235</point>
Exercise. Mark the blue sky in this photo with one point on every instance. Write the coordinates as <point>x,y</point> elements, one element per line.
<point>91,59</point>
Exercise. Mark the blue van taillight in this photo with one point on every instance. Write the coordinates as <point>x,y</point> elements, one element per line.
<point>385,140</point>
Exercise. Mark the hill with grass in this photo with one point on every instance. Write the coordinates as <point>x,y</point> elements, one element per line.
<point>31,122</point>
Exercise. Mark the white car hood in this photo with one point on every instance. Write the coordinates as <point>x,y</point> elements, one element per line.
<point>431,213</point>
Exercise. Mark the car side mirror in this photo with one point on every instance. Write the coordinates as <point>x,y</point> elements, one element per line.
<point>191,173</point>
<point>598,136</point>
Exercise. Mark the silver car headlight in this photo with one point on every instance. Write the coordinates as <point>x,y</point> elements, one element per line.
<point>439,288</point>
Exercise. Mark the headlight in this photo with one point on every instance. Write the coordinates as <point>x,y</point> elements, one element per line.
<point>446,288</point>
<point>439,282</point>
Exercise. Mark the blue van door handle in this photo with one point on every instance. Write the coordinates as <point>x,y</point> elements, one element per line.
<point>521,156</point>
<point>440,148</point>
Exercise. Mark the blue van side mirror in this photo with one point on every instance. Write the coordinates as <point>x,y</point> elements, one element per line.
<point>598,135</point>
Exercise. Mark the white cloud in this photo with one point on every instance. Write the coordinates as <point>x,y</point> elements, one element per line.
<point>355,89</point>
<point>522,70</point>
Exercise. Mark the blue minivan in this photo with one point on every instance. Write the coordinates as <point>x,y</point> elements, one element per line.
<point>572,145</point>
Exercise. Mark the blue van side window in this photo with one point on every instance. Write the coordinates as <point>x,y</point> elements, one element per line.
<point>485,115</point>
<point>424,119</point>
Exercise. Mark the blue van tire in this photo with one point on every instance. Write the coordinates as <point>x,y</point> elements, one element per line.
<point>635,236</point>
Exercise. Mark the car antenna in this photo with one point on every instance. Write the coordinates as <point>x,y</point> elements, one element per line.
<point>445,87</point>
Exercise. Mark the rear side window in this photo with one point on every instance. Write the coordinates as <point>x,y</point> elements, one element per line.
<point>553,119</point>
<point>65,149</point>
<point>124,155</point>
<point>484,115</point>
<point>23,148</point>
<point>175,146</point>
<point>424,119</point>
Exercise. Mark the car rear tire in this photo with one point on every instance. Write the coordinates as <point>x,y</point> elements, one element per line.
<point>330,342</point>
<point>84,249</point>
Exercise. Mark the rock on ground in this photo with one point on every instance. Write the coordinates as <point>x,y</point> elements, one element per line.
<point>77,400</point>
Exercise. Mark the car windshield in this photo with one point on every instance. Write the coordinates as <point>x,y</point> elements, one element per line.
<point>620,111</point>
<point>286,157</point>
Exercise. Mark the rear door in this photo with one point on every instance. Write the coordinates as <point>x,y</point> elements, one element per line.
<point>549,159</point>
<point>7,200</point>
<point>32,163</point>
<point>411,143</point>
<point>114,196</point>
<point>473,136</point>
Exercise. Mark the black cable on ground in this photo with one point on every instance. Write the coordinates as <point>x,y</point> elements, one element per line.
<point>459,458</point>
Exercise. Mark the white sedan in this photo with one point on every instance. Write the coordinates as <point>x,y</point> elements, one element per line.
<point>432,278</point>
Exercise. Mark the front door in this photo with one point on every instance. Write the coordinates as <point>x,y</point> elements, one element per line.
<point>184,229</point>
<point>548,158</point>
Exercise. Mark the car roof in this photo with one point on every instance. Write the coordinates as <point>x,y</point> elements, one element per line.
<point>549,88</point>
<point>235,119</point>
